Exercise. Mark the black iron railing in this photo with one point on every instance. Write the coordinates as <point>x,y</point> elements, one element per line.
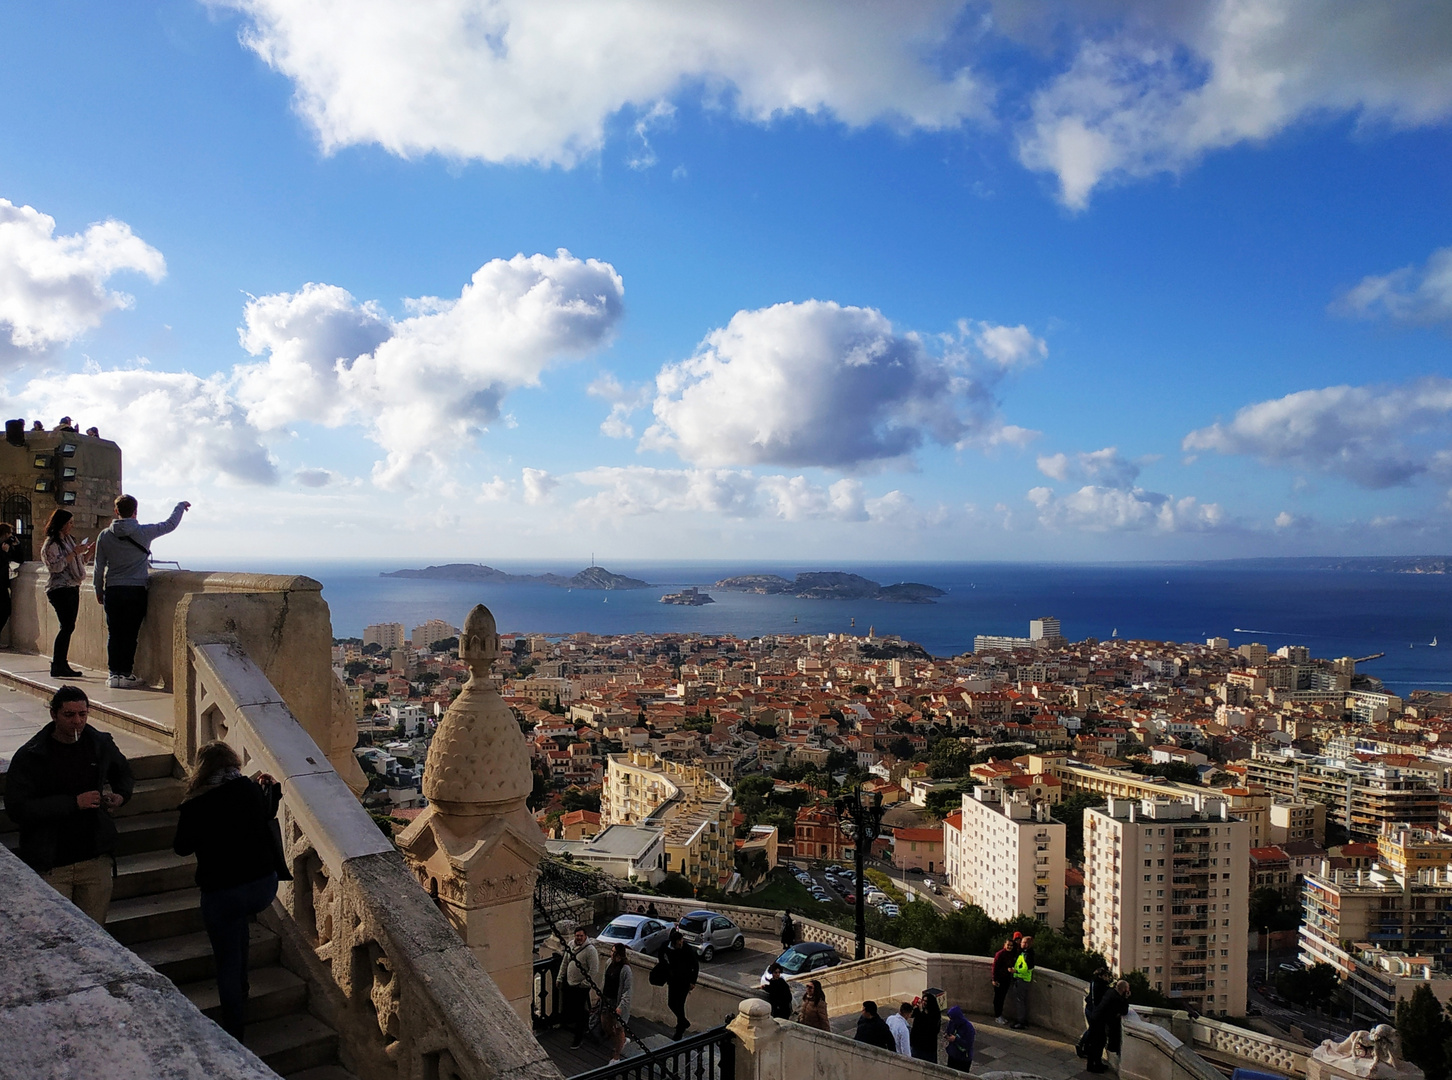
<point>710,1055</point>
<point>545,1005</point>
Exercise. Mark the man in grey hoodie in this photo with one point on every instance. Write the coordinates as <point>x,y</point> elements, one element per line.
<point>121,572</point>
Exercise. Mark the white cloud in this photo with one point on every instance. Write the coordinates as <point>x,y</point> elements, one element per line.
<point>537,485</point>
<point>735,493</point>
<point>496,490</point>
<point>1102,466</point>
<point>1412,294</point>
<point>423,384</point>
<point>1160,84</point>
<point>816,383</point>
<point>1108,509</point>
<point>1006,346</point>
<point>510,80</point>
<point>624,402</point>
<point>175,427</point>
<point>314,478</point>
<point>1374,436</point>
<point>53,288</point>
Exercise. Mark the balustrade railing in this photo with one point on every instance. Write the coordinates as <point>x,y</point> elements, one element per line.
<point>545,1004</point>
<point>711,1055</point>
<point>405,993</point>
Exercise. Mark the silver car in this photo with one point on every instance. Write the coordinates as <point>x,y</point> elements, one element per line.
<point>709,933</point>
<point>637,933</point>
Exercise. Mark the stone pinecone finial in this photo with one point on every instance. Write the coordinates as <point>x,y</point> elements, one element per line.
<point>478,764</point>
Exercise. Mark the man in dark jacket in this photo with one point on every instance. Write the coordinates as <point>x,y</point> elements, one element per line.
<point>682,969</point>
<point>779,993</point>
<point>1003,977</point>
<point>60,790</point>
<point>872,1029</point>
<point>1106,1026</point>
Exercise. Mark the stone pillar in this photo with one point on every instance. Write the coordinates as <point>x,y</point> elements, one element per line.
<point>758,1041</point>
<point>476,847</point>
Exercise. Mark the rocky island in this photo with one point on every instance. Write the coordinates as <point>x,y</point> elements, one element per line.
<point>593,577</point>
<point>691,597</point>
<point>832,585</point>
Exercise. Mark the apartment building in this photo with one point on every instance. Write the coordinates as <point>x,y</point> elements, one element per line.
<point>1005,853</point>
<point>1167,893</point>
<point>388,636</point>
<point>1356,920</point>
<point>692,806</point>
<point>1366,799</point>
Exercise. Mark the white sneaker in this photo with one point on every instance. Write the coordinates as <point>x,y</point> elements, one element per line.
<point>1000,1020</point>
<point>114,682</point>
<point>130,682</point>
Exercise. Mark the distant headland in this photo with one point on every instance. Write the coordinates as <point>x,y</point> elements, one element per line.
<point>832,585</point>
<point>593,577</point>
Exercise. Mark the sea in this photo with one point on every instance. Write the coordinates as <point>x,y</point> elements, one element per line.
<point>1332,612</point>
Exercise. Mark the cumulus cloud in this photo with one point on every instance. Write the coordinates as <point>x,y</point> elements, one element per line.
<point>1104,466</point>
<point>1108,509</point>
<point>422,383</point>
<point>313,478</point>
<point>1374,436</point>
<point>53,288</point>
<point>737,493</point>
<point>1421,295</point>
<point>1157,85</point>
<point>510,80</point>
<point>537,485</point>
<point>818,384</point>
<point>175,427</point>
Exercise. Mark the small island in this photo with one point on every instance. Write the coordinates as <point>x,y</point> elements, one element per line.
<point>593,577</point>
<point>832,585</point>
<point>691,597</point>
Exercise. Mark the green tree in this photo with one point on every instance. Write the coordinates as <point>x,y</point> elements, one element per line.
<point>1270,909</point>
<point>944,801</point>
<point>1314,987</point>
<point>752,794</point>
<point>1425,1032</point>
<point>576,799</point>
<point>951,758</point>
<point>1071,813</point>
<point>674,884</point>
<point>354,668</point>
<point>1179,771</point>
<point>1141,993</point>
<point>752,864</point>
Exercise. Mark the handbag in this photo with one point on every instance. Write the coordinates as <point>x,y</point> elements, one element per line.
<point>279,853</point>
<point>661,973</point>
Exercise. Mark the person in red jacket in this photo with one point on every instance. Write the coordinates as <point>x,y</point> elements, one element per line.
<point>1003,977</point>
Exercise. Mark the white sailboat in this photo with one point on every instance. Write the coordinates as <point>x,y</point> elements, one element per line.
<point>1433,642</point>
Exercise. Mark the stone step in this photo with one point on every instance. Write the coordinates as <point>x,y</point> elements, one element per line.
<point>323,1072</point>
<point>151,872</point>
<point>151,796</point>
<point>188,957</point>
<point>271,992</point>
<point>158,766</point>
<point>290,1044</point>
<point>149,918</point>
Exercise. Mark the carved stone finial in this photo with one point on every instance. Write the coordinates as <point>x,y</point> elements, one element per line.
<point>478,764</point>
<point>479,644</point>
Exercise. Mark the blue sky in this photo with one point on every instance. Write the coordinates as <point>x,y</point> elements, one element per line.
<point>994,281</point>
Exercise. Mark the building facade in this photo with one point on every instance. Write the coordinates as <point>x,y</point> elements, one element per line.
<point>692,806</point>
<point>1008,856</point>
<point>1166,893</point>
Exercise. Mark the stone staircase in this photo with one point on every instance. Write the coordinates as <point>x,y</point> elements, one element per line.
<point>156,912</point>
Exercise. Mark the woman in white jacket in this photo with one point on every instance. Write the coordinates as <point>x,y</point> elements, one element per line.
<point>615,1001</point>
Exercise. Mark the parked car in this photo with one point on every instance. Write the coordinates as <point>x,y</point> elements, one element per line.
<point>638,933</point>
<point>709,933</point>
<point>890,910</point>
<point>957,904</point>
<point>807,956</point>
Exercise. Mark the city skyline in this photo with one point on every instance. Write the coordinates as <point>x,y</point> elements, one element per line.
<point>989,282</point>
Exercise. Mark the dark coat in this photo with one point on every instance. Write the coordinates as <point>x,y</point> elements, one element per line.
<point>779,993</point>
<point>927,1022</point>
<point>1003,965</point>
<point>682,968</point>
<point>35,801</point>
<point>1108,1017</point>
<point>874,1031</point>
<point>1097,989</point>
<point>229,830</point>
<point>964,1035</point>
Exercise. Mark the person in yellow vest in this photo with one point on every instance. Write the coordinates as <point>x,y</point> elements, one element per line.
<point>1023,974</point>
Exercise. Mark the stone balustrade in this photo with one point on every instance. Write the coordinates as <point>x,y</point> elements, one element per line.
<point>1152,1053</point>
<point>1228,1040</point>
<point>755,920</point>
<point>408,997</point>
<point>78,1003</point>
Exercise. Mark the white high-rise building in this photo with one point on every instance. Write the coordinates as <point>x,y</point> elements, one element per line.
<point>389,635</point>
<point>1043,629</point>
<point>1007,856</point>
<point>1166,891</point>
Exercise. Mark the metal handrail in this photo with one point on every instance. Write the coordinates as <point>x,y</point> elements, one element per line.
<point>711,1055</point>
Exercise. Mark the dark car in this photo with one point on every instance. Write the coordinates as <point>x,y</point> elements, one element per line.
<point>807,956</point>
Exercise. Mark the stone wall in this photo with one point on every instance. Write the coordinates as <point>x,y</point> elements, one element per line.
<point>754,920</point>
<point>713,1002</point>
<point>1152,1053</point>
<point>1227,1040</point>
<point>77,1003</point>
<point>770,1049</point>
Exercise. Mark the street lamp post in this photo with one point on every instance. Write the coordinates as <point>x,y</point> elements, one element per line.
<point>860,819</point>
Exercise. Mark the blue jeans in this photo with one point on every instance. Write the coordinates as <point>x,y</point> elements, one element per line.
<point>225,914</point>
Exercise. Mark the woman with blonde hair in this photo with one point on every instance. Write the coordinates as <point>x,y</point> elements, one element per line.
<point>65,558</point>
<point>226,821</point>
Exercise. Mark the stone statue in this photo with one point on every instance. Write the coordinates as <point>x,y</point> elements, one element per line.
<point>1369,1054</point>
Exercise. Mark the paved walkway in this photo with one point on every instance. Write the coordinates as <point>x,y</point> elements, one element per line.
<point>593,1053</point>
<point>1033,1051</point>
<point>23,714</point>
